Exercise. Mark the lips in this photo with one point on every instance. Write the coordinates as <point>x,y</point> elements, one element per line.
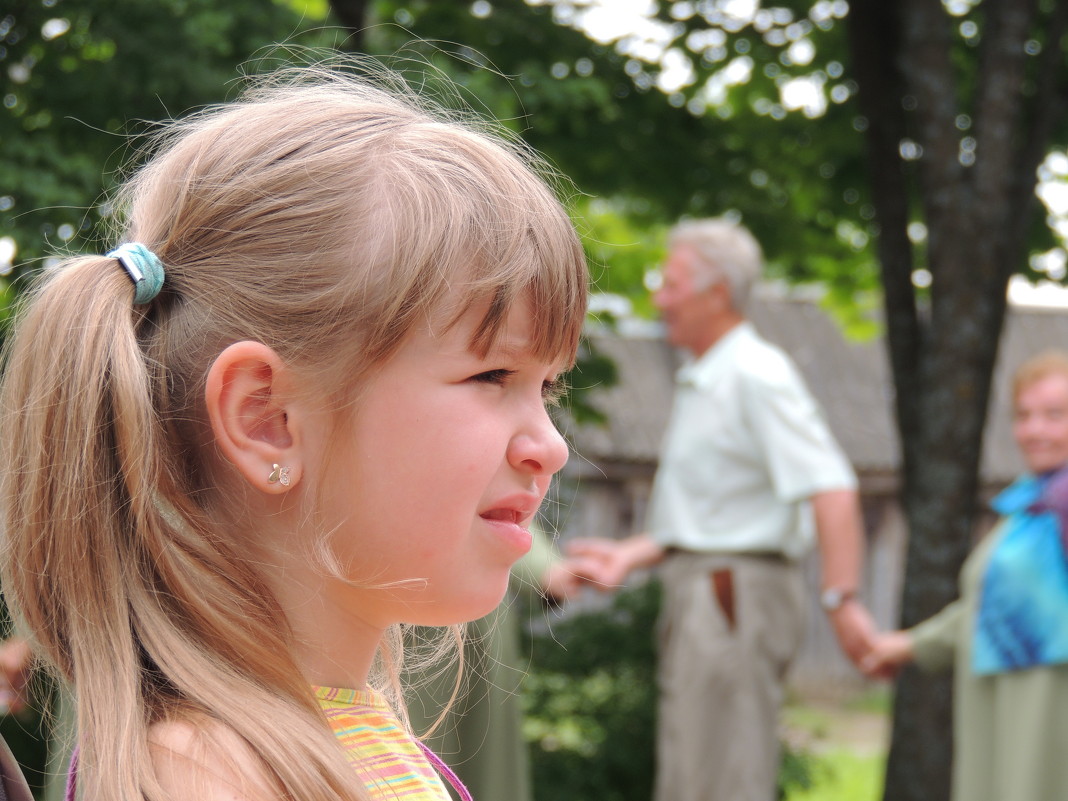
<point>514,509</point>
<point>508,518</point>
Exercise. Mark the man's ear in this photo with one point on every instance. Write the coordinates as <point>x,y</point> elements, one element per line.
<point>250,407</point>
<point>720,296</point>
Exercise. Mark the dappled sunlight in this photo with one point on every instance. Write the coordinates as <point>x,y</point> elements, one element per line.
<point>669,54</point>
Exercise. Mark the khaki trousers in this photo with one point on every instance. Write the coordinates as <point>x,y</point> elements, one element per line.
<point>729,627</point>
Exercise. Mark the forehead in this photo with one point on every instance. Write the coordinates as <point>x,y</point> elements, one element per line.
<point>1051,388</point>
<point>678,267</point>
<point>515,333</point>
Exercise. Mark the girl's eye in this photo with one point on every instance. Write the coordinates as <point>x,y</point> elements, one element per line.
<point>551,391</point>
<point>498,377</point>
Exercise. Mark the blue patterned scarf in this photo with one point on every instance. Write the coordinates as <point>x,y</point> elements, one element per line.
<point>1023,606</point>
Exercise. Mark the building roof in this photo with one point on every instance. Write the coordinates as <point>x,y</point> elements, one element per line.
<point>851,381</point>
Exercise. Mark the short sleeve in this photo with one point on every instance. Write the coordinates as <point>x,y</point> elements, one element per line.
<point>801,455</point>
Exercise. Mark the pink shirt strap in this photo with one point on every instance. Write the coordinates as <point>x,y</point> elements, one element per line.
<point>72,777</point>
<point>446,771</point>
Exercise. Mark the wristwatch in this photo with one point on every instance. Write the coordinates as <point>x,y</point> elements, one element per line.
<point>833,598</point>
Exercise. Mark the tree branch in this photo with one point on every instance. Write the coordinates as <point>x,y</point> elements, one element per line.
<point>1000,104</point>
<point>352,14</point>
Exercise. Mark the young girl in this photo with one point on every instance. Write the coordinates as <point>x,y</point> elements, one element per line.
<point>302,404</point>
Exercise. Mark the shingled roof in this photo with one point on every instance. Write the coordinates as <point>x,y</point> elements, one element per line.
<point>851,380</point>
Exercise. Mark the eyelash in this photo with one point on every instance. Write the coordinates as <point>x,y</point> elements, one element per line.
<point>551,391</point>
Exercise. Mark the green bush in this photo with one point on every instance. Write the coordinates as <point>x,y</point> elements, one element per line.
<point>590,702</point>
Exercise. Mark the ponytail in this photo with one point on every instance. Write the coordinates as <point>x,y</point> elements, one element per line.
<point>78,438</point>
<point>79,474</point>
<point>90,500</point>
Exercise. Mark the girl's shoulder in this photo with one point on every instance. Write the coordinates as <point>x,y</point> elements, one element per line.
<point>197,759</point>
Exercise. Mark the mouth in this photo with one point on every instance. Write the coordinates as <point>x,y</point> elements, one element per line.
<point>510,522</point>
<point>504,515</point>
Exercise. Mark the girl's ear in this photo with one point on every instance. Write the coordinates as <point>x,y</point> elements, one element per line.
<point>251,410</point>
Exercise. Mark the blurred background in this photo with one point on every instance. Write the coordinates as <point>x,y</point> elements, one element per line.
<point>903,165</point>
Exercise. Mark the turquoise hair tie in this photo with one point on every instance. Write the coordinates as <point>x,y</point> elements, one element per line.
<point>144,267</point>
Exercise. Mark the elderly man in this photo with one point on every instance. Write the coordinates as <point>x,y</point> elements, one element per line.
<point>748,469</point>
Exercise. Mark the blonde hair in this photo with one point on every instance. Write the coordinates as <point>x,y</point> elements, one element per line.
<point>725,251</point>
<point>1037,367</point>
<point>325,217</point>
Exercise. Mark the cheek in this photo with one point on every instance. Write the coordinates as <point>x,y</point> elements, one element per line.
<point>418,473</point>
<point>1059,434</point>
<point>1020,432</point>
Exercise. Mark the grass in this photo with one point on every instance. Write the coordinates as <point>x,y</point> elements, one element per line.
<point>842,775</point>
<point>845,741</point>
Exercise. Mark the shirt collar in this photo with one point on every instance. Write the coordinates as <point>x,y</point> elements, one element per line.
<point>703,370</point>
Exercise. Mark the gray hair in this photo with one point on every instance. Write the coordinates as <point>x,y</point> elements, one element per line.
<point>725,251</point>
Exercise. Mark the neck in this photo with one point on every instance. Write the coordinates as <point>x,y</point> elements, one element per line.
<point>332,646</point>
<point>717,329</point>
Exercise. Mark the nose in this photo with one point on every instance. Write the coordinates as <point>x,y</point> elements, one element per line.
<point>538,448</point>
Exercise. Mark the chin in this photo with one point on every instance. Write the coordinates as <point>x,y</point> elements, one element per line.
<point>1045,466</point>
<point>462,607</point>
<point>490,601</point>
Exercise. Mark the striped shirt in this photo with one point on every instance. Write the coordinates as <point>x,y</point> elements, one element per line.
<point>390,762</point>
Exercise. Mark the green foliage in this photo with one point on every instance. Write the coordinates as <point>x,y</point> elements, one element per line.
<point>27,735</point>
<point>590,699</point>
<point>799,772</point>
<point>620,250</point>
<point>796,177</point>
<point>597,114</point>
<point>841,776</point>
<point>80,73</point>
<point>592,370</point>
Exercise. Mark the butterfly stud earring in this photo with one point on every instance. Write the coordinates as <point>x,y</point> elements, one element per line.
<point>279,475</point>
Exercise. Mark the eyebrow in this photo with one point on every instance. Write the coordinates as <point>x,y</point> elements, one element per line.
<point>510,349</point>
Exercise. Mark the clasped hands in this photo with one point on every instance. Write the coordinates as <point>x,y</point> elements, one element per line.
<point>604,564</point>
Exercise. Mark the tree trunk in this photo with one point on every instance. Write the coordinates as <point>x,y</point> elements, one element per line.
<point>943,341</point>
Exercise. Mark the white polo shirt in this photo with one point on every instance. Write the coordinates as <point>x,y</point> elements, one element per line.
<point>745,448</point>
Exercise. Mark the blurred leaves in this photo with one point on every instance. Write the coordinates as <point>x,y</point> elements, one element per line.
<point>590,701</point>
<point>79,76</point>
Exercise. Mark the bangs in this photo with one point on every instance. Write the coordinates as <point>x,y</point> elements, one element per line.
<point>521,246</point>
<point>547,272</point>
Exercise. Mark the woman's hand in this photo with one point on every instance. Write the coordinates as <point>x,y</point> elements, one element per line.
<point>888,653</point>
